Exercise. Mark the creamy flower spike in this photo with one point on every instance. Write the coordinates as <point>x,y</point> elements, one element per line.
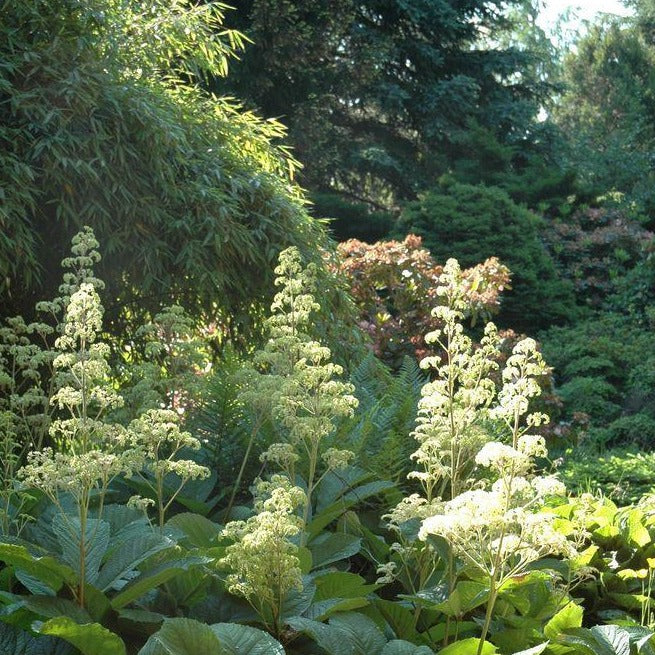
<point>476,445</point>
<point>294,383</point>
<point>263,561</point>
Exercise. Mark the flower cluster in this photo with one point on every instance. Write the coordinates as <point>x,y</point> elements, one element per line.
<point>451,413</point>
<point>294,382</point>
<point>263,561</point>
<point>167,370</point>
<point>156,440</point>
<point>497,531</point>
<point>477,451</point>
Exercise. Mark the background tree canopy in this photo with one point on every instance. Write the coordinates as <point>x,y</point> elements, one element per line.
<point>383,96</point>
<point>102,122</point>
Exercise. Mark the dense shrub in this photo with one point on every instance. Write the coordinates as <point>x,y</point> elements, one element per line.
<point>621,474</point>
<point>603,367</point>
<point>103,123</point>
<point>394,286</point>
<point>594,248</point>
<point>473,223</point>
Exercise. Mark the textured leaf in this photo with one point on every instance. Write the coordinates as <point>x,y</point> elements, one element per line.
<point>401,647</point>
<point>33,584</point>
<point>14,641</point>
<point>400,619</point>
<point>468,647</point>
<point>243,640</point>
<point>341,584</point>
<point>637,533</point>
<point>183,637</point>
<point>128,556</point>
<point>535,650</point>
<point>89,639</point>
<point>329,548</point>
<point>599,640</point>
<point>51,607</point>
<point>323,609</point>
<point>466,596</point>
<point>297,602</point>
<point>329,638</point>
<point>120,516</point>
<point>614,637</point>
<point>46,569</point>
<point>569,616</point>
<point>68,531</point>
<point>153,578</point>
<point>200,532</point>
<point>361,631</point>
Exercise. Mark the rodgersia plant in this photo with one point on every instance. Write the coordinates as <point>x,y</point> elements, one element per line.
<point>263,561</point>
<point>158,440</point>
<point>476,448</point>
<point>86,459</point>
<point>294,382</point>
<point>165,365</point>
<point>90,450</point>
<point>454,406</point>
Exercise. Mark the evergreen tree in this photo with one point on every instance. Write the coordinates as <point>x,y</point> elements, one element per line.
<point>384,96</point>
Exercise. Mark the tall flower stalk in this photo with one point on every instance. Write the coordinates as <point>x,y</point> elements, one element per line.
<point>294,383</point>
<point>262,560</point>
<point>86,460</point>
<point>476,448</point>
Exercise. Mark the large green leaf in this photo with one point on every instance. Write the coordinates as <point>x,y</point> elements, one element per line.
<point>401,647</point>
<point>361,631</point>
<point>614,637</point>
<point>14,641</point>
<point>643,638</point>
<point>33,584</point>
<point>401,619</point>
<point>323,609</point>
<point>329,548</point>
<point>570,616</point>
<point>341,584</point>
<point>466,596</point>
<point>637,534</point>
<point>535,650</point>
<point>123,560</point>
<point>120,516</point>
<point>51,607</point>
<point>189,587</point>
<point>468,646</point>
<point>297,602</point>
<point>183,637</point>
<point>46,569</point>
<point>243,640</point>
<point>88,638</point>
<point>153,578</point>
<point>599,640</point>
<point>199,531</point>
<point>94,542</point>
<point>328,637</point>
<point>338,591</point>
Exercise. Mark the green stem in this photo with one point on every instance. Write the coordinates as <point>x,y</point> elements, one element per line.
<point>493,595</point>
<point>310,488</point>
<point>451,587</point>
<point>244,461</point>
<point>82,558</point>
<point>160,500</point>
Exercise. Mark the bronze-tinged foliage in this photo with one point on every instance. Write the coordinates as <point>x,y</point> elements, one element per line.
<point>103,123</point>
<point>394,286</point>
